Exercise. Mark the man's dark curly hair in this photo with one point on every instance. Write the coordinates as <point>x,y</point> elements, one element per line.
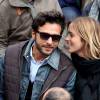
<point>48,17</point>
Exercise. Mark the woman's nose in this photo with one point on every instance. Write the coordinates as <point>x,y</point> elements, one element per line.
<point>67,38</point>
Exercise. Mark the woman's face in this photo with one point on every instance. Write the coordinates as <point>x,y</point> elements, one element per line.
<point>74,41</point>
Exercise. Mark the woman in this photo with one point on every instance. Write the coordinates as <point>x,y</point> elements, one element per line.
<point>83,43</point>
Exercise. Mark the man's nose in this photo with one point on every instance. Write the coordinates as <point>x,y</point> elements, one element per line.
<point>49,41</point>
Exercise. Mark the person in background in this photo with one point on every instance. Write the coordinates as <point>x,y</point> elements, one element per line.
<point>31,67</point>
<point>85,3</point>
<point>16,18</point>
<point>71,8</point>
<point>86,7</point>
<point>92,9</point>
<point>57,93</point>
<point>84,45</point>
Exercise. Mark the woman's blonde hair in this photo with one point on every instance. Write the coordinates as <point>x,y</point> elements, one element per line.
<point>89,31</point>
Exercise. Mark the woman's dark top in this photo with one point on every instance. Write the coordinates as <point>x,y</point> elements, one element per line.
<point>87,86</point>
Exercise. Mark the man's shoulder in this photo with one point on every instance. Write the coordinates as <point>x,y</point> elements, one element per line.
<point>16,47</point>
<point>65,59</point>
<point>14,52</point>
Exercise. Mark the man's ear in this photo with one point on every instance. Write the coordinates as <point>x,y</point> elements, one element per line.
<point>33,34</point>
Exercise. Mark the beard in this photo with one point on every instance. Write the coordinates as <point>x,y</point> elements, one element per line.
<point>44,50</point>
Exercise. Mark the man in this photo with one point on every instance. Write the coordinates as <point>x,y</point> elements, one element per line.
<point>57,93</point>
<point>36,65</point>
<point>16,19</point>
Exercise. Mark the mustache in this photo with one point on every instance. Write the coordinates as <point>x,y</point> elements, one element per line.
<point>48,46</point>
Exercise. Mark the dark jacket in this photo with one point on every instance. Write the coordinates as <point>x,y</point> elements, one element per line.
<point>61,73</point>
<point>87,85</point>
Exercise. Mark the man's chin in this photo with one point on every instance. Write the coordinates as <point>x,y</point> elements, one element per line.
<point>47,53</point>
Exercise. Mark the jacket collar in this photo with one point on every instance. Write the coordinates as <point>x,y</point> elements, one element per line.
<point>55,74</point>
<point>53,60</point>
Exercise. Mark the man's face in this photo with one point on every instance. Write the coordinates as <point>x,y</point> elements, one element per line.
<point>47,38</point>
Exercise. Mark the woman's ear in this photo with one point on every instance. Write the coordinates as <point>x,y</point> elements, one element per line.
<point>33,34</point>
